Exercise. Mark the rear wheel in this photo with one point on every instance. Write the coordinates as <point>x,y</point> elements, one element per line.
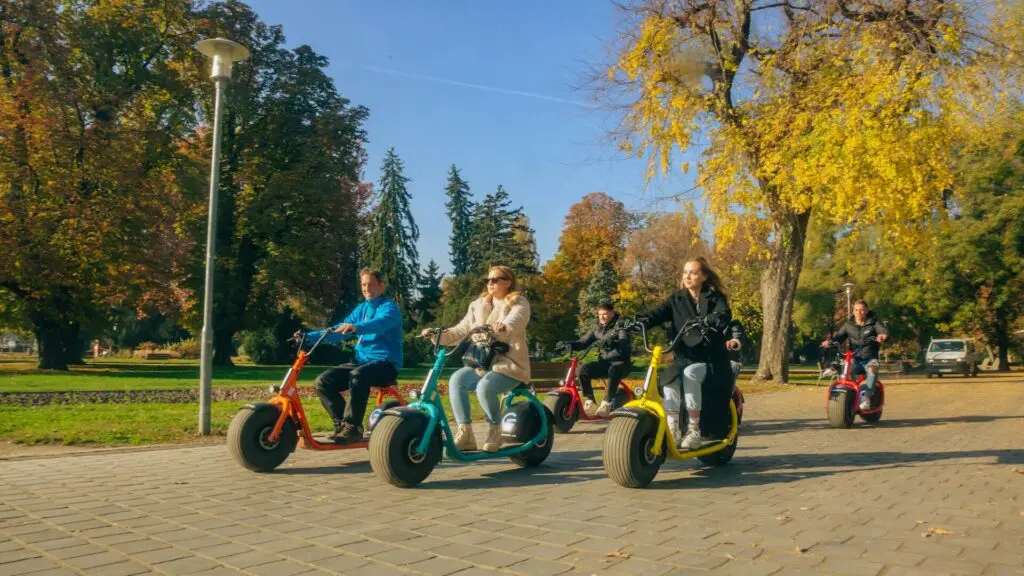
<point>248,437</point>
<point>627,455</point>
<point>841,408</point>
<point>392,450</point>
<point>565,415</point>
<point>538,454</point>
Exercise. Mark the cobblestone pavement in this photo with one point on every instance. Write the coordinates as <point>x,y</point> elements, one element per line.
<point>936,487</point>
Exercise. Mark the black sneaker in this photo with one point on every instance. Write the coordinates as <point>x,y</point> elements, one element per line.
<point>349,433</point>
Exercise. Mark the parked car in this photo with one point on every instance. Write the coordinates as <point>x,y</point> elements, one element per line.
<point>951,356</point>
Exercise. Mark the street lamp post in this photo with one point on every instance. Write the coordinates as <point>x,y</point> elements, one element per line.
<point>223,53</point>
<point>849,298</point>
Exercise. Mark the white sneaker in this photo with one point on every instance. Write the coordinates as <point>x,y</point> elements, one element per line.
<point>605,409</point>
<point>865,402</point>
<point>691,441</point>
<point>589,406</point>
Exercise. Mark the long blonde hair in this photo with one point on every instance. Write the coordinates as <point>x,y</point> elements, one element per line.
<point>513,288</point>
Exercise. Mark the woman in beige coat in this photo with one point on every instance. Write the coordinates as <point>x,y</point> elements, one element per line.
<point>507,312</point>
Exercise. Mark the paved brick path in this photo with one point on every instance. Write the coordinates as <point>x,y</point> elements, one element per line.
<point>947,458</point>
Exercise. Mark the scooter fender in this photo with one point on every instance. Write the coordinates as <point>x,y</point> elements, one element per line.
<point>405,412</point>
<point>633,412</point>
<point>558,391</point>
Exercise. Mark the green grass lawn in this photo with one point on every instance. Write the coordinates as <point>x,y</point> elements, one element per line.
<point>135,424</point>
<point>20,375</point>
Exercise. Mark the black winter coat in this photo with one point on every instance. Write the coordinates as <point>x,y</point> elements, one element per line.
<point>861,336</point>
<point>612,340</point>
<point>680,310</point>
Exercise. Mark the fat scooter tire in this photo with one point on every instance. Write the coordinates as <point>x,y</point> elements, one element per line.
<point>538,454</point>
<point>377,413</point>
<point>841,409</point>
<point>391,450</point>
<point>564,416</point>
<point>247,437</point>
<point>627,450</point>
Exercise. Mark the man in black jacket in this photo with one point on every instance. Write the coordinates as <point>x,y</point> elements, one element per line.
<point>865,334</point>
<point>614,363</point>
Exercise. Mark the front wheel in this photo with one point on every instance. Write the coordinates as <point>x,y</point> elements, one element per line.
<point>841,408</point>
<point>565,414</point>
<point>627,455</point>
<point>248,437</point>
<point>392,450</point>
<point>538,454</point>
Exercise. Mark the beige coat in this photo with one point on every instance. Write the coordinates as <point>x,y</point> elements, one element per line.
<point>514,312</point>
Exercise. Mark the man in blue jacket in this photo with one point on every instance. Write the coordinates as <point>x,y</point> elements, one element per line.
<point>377,323</point>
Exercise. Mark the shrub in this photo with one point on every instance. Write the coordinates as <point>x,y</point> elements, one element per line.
<point>188,348</point>
<point>260,346</point>
<point>147,346</point>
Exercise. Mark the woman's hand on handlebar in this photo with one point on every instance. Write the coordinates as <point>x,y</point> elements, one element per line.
<point>498,327</point>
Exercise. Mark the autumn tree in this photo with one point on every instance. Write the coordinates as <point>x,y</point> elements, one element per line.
<point>842,109</point>
<point>595,229</point>
<point>657,250</point>
<point>90,107</point>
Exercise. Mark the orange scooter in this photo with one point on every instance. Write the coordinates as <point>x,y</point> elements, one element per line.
<point>263,434</point>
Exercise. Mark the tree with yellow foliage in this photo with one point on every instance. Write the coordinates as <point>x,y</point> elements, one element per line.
<point>847,110</point>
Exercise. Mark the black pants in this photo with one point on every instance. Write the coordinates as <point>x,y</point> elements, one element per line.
<point>613,371</point>
<point>357,380</point>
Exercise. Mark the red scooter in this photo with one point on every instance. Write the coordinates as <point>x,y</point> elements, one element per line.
<point>566,403</point>
<point>844,395</point>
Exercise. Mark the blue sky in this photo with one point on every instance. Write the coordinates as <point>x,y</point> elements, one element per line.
<point>487,86</point>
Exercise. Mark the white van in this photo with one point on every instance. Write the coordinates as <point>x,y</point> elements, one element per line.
<point>951,356</point>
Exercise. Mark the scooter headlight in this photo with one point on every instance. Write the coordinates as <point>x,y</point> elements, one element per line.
<point>415,394</point>
<point>274,389</point>
<point>638,391</point>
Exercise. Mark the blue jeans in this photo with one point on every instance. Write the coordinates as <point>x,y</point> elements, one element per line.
<point>488,389</point>
<point>862,366</point>
<point>692,377</point>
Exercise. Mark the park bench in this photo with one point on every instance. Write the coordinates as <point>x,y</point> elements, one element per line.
<point>547,375</point>
<point>158,356</point>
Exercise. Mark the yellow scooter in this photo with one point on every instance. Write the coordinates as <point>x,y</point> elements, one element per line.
<point>638,440</point>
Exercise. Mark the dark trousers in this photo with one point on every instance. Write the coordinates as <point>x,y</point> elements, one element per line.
<point>613,371</point>
<point>357,380</point>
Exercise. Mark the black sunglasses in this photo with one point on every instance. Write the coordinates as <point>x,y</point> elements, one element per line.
<point>495,280</point>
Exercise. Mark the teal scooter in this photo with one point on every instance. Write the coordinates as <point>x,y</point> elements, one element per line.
<point>407,442</point>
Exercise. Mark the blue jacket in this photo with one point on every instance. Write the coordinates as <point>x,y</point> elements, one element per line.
<point>378,325</point>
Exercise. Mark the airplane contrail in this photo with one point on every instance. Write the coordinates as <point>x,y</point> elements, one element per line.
<point>496,89</point>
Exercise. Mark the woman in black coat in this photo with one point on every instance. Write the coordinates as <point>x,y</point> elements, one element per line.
<point>701,362</point>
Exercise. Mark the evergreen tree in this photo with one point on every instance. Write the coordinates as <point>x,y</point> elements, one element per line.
<point>460,208</point>
<point>524,259</point>
<point>391,247</point>
<point>603,284</point>
<point>501,235</point>
<point>429,289</point>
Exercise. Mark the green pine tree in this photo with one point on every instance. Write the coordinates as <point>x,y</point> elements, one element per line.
<point>501,235</point>
<point>603,284</point>
<point>429,289</point>
<point>460,209</point>
<point>391,247</point>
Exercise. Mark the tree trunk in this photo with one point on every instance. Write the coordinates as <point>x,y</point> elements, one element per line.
<point>1003,340</point>
<point>51,346</point>
<point>71,345</point>
<point>778,289</point>
<point>222,346</point>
